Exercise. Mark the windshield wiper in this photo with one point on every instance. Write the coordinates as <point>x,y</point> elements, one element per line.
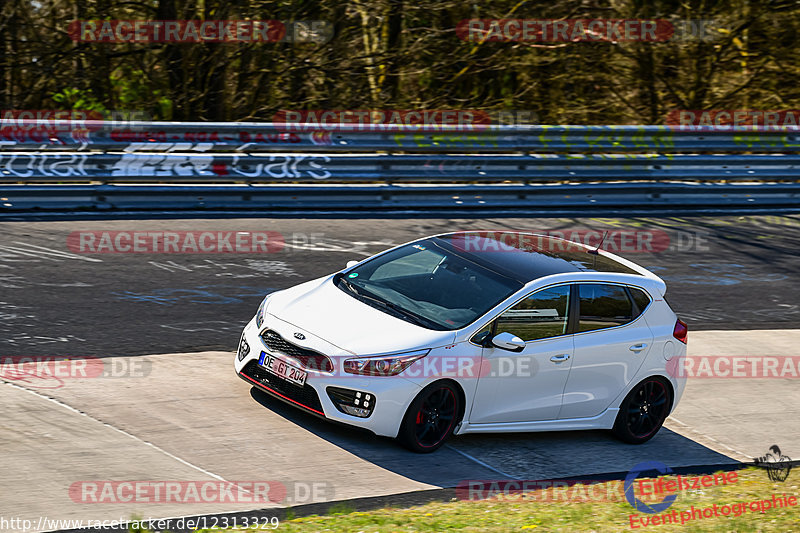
<point>362,296</point>
<point>349,285</point>
<point>404,313</point>
<point>411,316</point>
<point>417,319</point>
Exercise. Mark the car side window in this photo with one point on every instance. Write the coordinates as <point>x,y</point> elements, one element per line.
<point>542,314</point>
<point>640,297</point>
<point>603,306</point>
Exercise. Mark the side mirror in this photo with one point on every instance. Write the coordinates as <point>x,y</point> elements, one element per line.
<point>508,341</point>
<point>352,263</point>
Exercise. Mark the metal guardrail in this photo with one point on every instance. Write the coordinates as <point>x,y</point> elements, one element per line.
<point>188,167</point>
<point>615,199</point>
<point>195,166</point>
<point>268,137</point>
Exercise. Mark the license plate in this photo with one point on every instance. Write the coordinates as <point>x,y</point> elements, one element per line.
<point>283,370</point>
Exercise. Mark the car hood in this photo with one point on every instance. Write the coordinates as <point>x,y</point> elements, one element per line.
<point>324,310</point>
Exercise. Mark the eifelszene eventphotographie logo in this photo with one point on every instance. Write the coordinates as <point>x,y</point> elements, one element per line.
<point>775,463</point>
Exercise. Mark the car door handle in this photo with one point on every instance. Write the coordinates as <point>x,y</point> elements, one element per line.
<point>560,358</point>
<point>638,347</point>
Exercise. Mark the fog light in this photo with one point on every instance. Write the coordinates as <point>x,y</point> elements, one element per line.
<point>351,402</point>
<point>244,349</point>
<point>356,411</point>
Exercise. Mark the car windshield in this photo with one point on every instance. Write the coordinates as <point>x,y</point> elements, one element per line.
<point>429,285</point>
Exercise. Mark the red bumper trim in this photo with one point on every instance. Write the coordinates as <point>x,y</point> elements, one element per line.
<point>276,393</point>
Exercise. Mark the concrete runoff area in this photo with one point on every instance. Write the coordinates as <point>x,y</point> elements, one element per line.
<point>743,416</point>
<point>190,418</point>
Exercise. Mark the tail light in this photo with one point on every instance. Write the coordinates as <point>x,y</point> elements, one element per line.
<point>681,331</point>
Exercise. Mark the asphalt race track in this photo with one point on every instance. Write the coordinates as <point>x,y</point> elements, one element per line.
<point>723,273</point>
<point>186,416</point>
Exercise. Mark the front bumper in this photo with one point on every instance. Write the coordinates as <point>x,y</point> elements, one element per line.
<point>305,397</point>
<point>392,394</point>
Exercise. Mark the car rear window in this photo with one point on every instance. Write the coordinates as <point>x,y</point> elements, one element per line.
<point>640,297</point>
<point>603,306</point>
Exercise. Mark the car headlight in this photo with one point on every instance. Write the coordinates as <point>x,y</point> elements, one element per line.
<point>383,365</point>
<point>261,310</point>
<point>244,349</point>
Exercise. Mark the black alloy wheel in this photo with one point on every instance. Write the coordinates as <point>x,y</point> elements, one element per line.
<point>643,411</point>
<point>431,418</point>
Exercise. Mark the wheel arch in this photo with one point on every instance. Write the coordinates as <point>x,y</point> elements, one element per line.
<point>671,387</point>
<point>462,397</point>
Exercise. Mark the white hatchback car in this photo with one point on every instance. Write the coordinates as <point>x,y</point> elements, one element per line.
<point>474,332</point>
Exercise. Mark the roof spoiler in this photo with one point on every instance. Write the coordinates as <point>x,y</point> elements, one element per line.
<point>659,283</point>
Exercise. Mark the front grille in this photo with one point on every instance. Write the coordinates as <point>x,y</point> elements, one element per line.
<point>305,396</point>
<point>307,358</point>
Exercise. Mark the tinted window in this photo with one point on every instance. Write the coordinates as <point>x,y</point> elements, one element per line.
<point>420,262</point>
<point>481,336</point>
<point>428,285</point>
<point>603,306</point>
<point>527,256</point>
<point>540,315</point>
<point>640,297</point>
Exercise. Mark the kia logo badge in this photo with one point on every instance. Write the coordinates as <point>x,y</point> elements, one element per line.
<point>299,336</point>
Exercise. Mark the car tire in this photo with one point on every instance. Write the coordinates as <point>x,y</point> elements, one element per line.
<point>431,418</point>
<point>643,411</point>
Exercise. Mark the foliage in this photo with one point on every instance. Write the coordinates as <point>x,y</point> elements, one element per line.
<point>403,55</point>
